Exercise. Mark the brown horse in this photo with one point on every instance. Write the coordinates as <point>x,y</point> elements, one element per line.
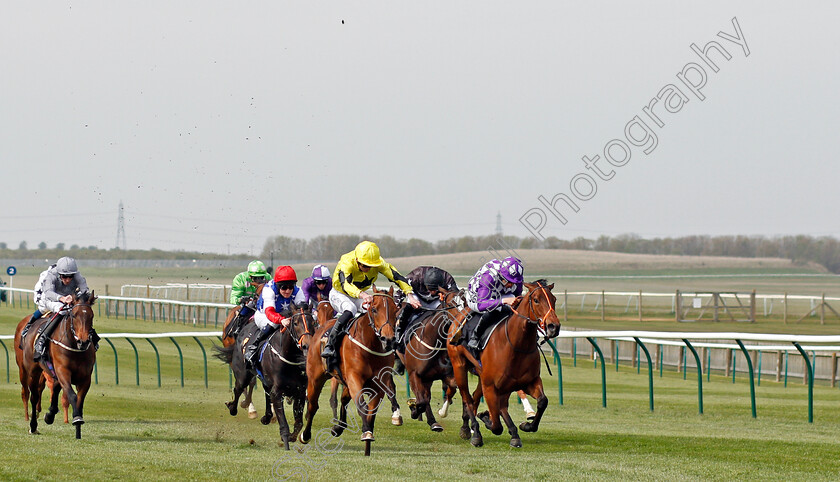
<point>367,360</point>
<point>325,312</point>
<point>509,362</point>
<point>426,360</point>
<point>71,360</point>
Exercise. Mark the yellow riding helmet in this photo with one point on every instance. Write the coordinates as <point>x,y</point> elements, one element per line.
<point>367,253</point>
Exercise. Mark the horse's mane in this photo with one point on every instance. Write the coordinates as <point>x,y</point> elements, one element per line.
<point>293,308</point>
<point>541,282</point>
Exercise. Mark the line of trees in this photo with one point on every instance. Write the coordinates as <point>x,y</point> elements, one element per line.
<point>92,252</point>
<point>801,248</point>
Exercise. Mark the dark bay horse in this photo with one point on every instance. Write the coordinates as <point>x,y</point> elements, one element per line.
<point>367,360</point>
<point>284,368</point>
<point>426,360</point>
<point>71,357</point>
<point>509,362</point>
<point>228,340</point>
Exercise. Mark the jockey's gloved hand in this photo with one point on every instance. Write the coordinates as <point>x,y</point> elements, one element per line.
<point>244,300</point>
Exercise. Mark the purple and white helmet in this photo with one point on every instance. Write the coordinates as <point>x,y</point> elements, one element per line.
<point>512,270</point>
<point>321,273</point>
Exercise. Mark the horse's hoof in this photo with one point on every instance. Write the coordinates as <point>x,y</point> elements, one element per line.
<point>337,430</point>
<point>252,415</point>
<point>526,427</point>
<point>243,404</point>
<point>49,418</point>
<point>530,416</point>
<point>302,440</point>
<point>368,437</point>
<point>443,413</point>
<point>477,441</point>
<point>397,420</point>
<point>265,420</point>
<point>231,407</point>
<point>436,427</point>
<point>465,433</point>
<point>78,421</point>
<point>34,432</point>
<point>516,443</point>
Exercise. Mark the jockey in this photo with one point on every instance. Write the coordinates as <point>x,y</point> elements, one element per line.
<point>54,290</point>
<point>319,282</point>
<point>356,271</point>
<point>277,296</point>
<point>426,282</point>
<point>491,292</point>
<point>242,291</point>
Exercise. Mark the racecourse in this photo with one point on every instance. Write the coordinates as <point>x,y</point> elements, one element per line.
<point>185,433</point>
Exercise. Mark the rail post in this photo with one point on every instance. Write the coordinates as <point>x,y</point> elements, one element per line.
<point>157,357</point>
<point>603,371</point>
<point>650,369</point>
<point>752,381</point>
<point>136,361</point>
<point>180,358</point>
<point>116,362</point>
<point>559,371</point>
<point>810,382</point>
<point>204,354</point>
<point>699,375</point>
<point>7,353</point>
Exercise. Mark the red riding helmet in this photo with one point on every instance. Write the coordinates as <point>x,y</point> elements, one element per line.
<point>285,273</point>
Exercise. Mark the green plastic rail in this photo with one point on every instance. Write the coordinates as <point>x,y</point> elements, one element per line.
<point>752,381</point>
<point>650,369</point>
<point>603,371</point>
<point>810,382</point>
<point>699,374</point>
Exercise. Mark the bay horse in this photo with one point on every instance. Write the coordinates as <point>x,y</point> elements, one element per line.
<point>71,357</point>
<point>426,360</point>
<point>284,368</point>
<point>325,312</point>
<point>366,363</point>
<point>510,362</point>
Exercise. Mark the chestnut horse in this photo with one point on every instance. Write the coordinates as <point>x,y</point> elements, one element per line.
<point>426,360</point>
<point>367,360</point>
<point>325,312</point>
<point>71,358</point>
<point>509,362</point>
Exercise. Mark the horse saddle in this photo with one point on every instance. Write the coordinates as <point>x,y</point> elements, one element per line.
<point>471,323</point>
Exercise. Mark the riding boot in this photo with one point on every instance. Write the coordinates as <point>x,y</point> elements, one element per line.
<point>43,337</point>
<point>35,316</point>
<point>402,323</point>
<point>252,349</point>
<point>487,319</point>
<point>330,352</point>
<point>94,338</point>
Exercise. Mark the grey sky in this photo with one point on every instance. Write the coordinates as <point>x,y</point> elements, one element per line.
<point>219,123</point>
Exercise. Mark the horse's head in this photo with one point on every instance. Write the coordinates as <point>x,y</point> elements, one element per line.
<point>539,305</point>
<point>81,319</point>
<point>301,325</point>
<point>382,313</point>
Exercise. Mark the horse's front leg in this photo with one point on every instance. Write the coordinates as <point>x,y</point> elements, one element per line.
<point>424,399</point>
<point>514,434</point>
<point>470,425</point>
<point>35,389</point>
<point>391,392</point>
<point>535,390</point>
<point>266,418</point>
<point>341,422</point>
<point>277,399</point>
<point>450,388</point>
<point>491,416</point>
<point>242,378</point>
<point>248,402</point>
<point>313,391</point>
<point>52,410</point>
<point>81,393</point>
<point>334,397</point>
<point>297,409</point>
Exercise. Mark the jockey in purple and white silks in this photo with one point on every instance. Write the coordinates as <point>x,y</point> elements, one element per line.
<point>491,291</point>
<point>318,283</point>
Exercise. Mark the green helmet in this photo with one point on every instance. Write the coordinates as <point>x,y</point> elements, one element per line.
<point>256,269</point>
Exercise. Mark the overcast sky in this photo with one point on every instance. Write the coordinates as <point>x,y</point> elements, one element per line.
<point>218,124</point>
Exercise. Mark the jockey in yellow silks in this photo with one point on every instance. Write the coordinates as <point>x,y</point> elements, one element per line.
<point>355,273</point>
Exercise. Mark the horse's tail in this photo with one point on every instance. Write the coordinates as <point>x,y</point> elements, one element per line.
<point>224,354</point>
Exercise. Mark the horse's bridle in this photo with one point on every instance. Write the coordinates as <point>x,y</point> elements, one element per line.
<point>82,346</point>
<point>372,312</point>
<point>293,330</point>
<point>537,321</point>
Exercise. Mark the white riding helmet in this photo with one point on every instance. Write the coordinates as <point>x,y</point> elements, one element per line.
<point>321,273</point>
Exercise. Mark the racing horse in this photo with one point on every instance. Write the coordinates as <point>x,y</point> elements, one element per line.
<point>284,368</point>
<point>70,360</point>
<point>366,362</point>
<point>426,360</point>
<point>229,338</point>
<point>325,312</point>
<point>509,362</point>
